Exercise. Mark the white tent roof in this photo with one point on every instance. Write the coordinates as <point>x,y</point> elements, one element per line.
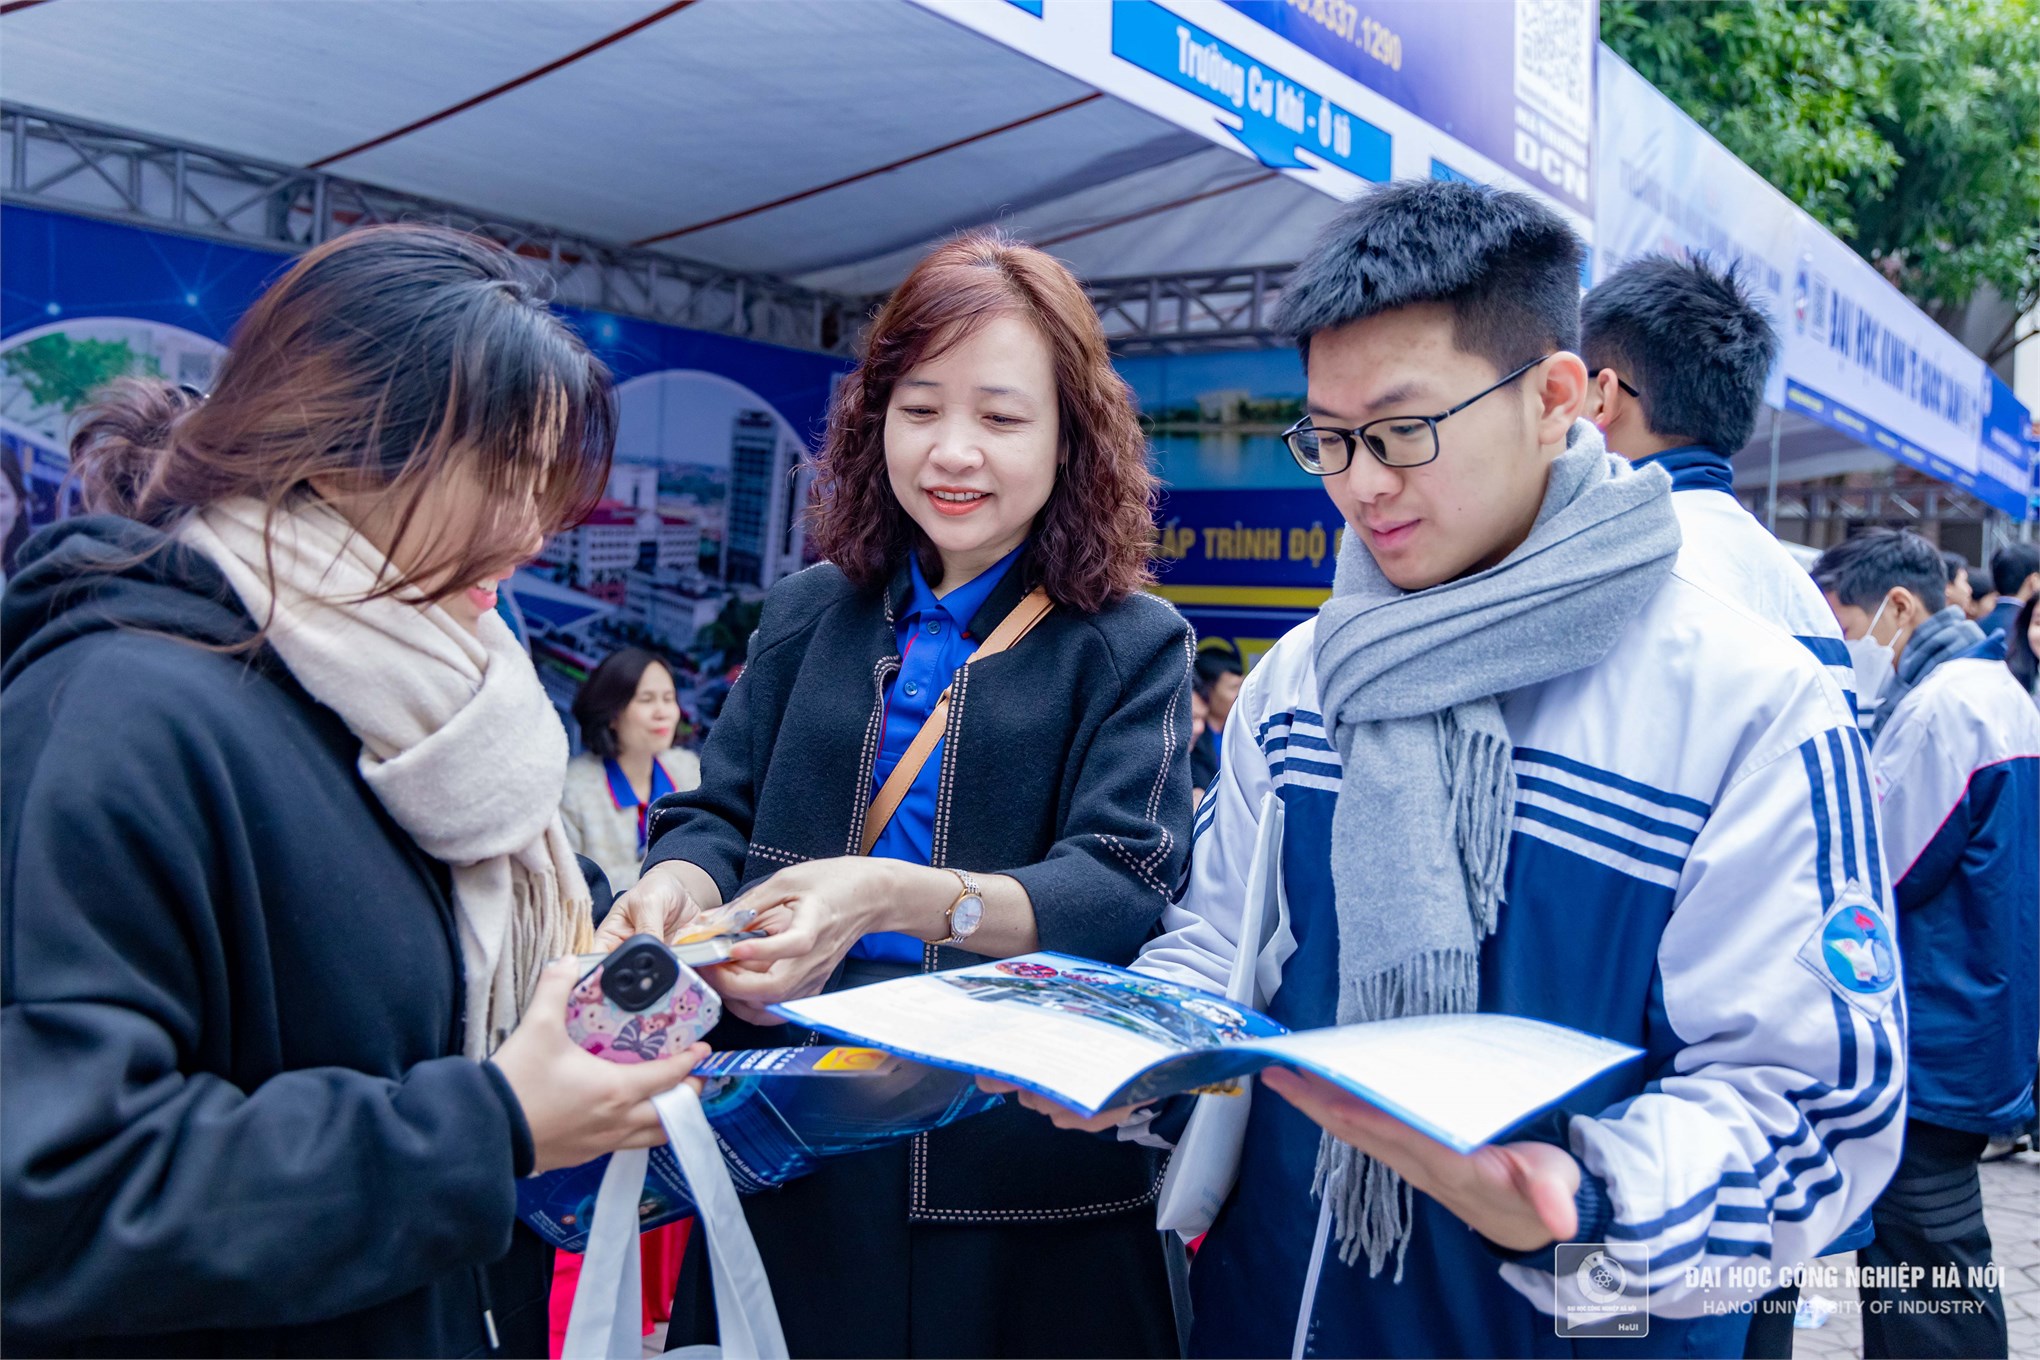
<point>713,112</point>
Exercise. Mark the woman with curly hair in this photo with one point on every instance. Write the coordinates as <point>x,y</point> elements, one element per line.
<point>983,465</point>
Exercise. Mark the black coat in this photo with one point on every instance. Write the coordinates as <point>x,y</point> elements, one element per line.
<point>1062,767</point>
<point>236,1121</point>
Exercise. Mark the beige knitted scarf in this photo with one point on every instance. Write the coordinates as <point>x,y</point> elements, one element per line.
<point>458,739</point>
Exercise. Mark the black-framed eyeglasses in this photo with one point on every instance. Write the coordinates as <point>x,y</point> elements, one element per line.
<point>1395,441</point>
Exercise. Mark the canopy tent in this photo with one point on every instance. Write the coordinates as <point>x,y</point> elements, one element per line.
<point>815,147</point>
<point>820,142</point>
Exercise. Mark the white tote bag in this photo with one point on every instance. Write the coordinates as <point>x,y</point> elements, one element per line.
<point>1207,1157</point>
<point>608,1305</point>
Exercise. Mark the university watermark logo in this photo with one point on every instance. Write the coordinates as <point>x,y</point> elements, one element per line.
<point>1597,1294</point>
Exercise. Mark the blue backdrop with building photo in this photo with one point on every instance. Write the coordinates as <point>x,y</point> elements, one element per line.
<point>703,506</point>
<point>1247,539</point>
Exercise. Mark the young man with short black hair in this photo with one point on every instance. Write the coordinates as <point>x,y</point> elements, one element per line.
<point>1679,353</point>
<point>1957,595</point>
<point>1983,596</point>
<point>1955,761</point>
<point>2015,568</point>
<point>1530,763</point>
<point>1219,671</point>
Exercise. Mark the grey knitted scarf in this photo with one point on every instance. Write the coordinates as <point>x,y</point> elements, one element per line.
<point>1940,637</point>
<point>1409,684</point>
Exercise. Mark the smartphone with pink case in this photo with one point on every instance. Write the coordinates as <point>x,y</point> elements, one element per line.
<point>640,1003</point>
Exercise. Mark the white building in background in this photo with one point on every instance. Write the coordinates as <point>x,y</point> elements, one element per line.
<point>670,611</point>
<point>604,544</point>
<point>679,546</point>
<point>619,542</point>
<point>763,534</point>
<point>634,484</point>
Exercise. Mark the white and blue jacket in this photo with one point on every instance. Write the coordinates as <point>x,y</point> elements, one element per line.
<point>1957,768</point>
<point>1727,546</point>
<point>1695,848</point>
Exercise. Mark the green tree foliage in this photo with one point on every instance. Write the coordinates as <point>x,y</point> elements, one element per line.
<point>56,370</point>
<point>727,638</point>
<point>1910,128</point>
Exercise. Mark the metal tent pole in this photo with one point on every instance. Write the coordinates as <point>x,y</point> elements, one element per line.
<point>1771,499</point>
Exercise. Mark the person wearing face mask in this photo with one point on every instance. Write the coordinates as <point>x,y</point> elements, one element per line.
<point>628,710</point>
<point>1879,630</point>
<point>1679,352</point>
<point>284,865</point>
<point>983,508</point>
<point>1955,764</point>
<point>1534,759</point>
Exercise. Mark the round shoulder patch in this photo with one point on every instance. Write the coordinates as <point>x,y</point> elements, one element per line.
<point>1856,946</point>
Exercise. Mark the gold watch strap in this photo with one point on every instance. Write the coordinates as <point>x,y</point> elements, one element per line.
<point>970,889</point>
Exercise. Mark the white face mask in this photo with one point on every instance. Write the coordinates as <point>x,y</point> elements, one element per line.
<point>1872,660</point>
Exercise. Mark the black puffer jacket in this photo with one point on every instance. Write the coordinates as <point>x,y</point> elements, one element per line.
<point>1063,766</point>
<point>235,1118</point>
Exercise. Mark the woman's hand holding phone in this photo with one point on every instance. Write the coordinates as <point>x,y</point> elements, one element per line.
<point>577,1106</point>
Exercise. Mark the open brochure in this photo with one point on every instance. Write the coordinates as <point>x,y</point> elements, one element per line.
<point>1095,1037</point>
<point>775,1113</point>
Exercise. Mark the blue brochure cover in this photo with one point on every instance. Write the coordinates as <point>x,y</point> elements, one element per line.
<point>775,1113</point>
<point>1095,1037</point>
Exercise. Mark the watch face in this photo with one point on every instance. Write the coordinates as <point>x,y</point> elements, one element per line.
<point>967,917</point>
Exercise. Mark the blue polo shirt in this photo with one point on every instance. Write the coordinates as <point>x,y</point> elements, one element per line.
<point>933,643</point>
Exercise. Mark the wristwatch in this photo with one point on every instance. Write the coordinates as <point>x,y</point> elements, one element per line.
<point>966,913</point>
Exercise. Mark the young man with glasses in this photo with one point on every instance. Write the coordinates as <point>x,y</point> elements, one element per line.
<point>1529,765</point>
<point>1699,348</point>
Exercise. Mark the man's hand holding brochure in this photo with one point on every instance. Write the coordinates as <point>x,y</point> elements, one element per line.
<point>1095,1037</point>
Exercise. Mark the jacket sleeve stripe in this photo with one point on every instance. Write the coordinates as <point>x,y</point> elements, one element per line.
<point>1676,802</point>
<point>1839,764</point>
<point>1859,762</point>
<point>1646,855</point>
<point>1823,851</point>
<point>1565,793</point>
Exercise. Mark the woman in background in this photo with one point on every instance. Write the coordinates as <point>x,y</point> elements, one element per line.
<point>629,714</point>
<point>2022,648</point>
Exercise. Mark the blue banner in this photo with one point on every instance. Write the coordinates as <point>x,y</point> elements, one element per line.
<point>1277,114</point>
<point>1512,81</point>
<point>1247,564</point>
<point>1867,430</point>
<point>2007,452</point>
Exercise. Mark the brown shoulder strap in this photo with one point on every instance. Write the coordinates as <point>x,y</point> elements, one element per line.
<point>1019,621</point>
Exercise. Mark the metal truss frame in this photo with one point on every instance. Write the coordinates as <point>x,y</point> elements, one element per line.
<point>74,165</point>
<point>1194,312</point>
<point>71,165</point>
<point>1879,505</point>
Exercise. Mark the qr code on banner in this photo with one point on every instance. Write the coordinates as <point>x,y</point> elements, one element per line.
<point>1555,60</point>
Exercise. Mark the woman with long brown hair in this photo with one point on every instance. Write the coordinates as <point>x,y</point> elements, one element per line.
<point>984,463</point>
<point>284,862</point>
